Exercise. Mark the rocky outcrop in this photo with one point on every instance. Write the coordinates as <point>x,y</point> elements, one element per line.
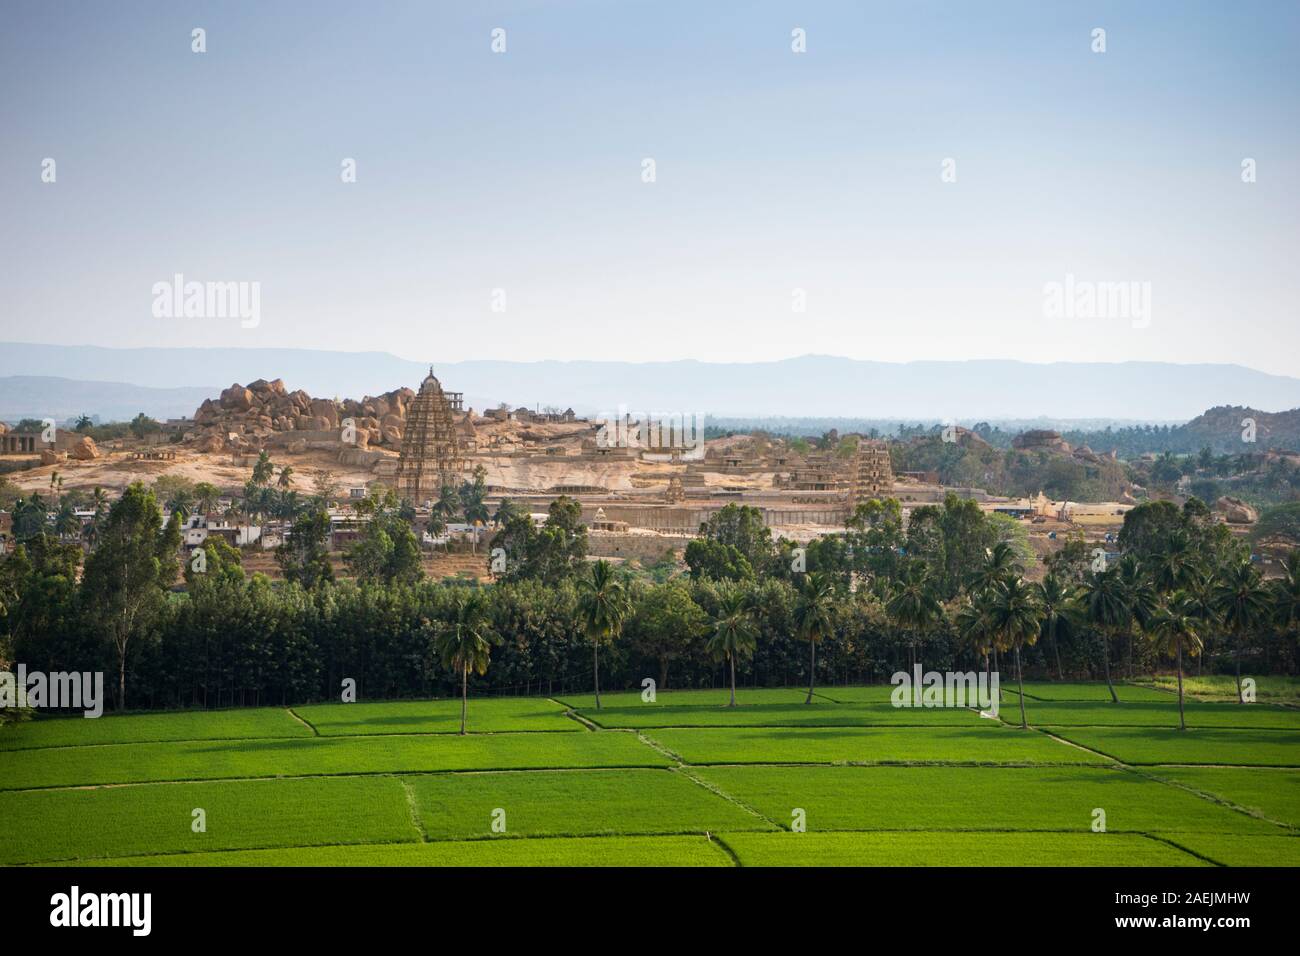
<point>256,414</point>
<point>1041,439</point>
<point>1236,511</point>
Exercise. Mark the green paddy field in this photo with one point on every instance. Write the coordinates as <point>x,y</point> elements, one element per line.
<point>684,781</point>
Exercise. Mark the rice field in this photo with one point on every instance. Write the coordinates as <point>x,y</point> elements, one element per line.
<point>847,780</point>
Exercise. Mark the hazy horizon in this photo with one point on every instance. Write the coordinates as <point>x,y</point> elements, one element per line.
<point>782,179</point>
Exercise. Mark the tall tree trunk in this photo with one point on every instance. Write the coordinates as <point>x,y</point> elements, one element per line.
<point>812,670</point>
<point>1105,663</point>
<point>1236,653</point>
<point>464,697</point>
<point>1024,723</point>
<point>732,659</point>
<point>121,680</point>
<point>1182,721</point>
<point>595,669</point>
<point>1056,647</point>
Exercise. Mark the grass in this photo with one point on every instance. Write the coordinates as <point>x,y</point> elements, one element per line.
<point>989,743</point>
<point>954,849</point>
<point>1155,745</point>
<point>582,851</point>
<point>394,784</point>
<point>574,803</point>
<point>974,798</point>
<point>1276,690</point>
<point>1274,794</point>
<point>221,759</point>
<point>485,715</point>
<point>821,713</point>
<point>1235,849</point>
<point>263,722</point>
<point>1151,714</point>
<point>51,825</point>
<point>1087,690</point>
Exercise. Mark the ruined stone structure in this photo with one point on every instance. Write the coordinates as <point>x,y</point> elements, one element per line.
<point>676,492</point>
<point>873,472</point>
<point>431,455</point>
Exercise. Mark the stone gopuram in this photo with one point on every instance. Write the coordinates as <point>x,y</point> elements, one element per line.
<point>431,451</point>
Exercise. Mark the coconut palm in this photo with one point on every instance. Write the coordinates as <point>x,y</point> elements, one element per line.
<point>1105,607</point>
<point>603,606</point>
<point>465,642</point>
<point>1000,565</point>
<point>263,469</point>
<point>205,496</point>
<point>1059,603</point>
<point>975,629</point>
<point>1016,617</point>
<point>1142,598</point>
<point>1243,603</point>
<point>286,477</point>
<point>913,606</point>
<point>734,633</point>
<point>1286,594</point>
<point>812,617</point>
<point>66,522</point>
<point>1174,627</point>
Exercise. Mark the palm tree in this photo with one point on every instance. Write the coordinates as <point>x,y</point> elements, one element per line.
<point>1142,598</point>
<point>1242,601</point>
<point>263,469</point>
<point>1105,606</point>
<point>66,522</point>
<point>286,477</point>
<point>99,500</point>
<point>733,631</point>
<point>1016,617</point>
<point>1286,594</point>
<point>913,606</point>
<point>1000,565</point>
<point>1060,613</point>
<point>975,629</point>
<point>465,644</point>
<point>812,617</point>
<point>1174,627</point>
<point>603,605</point>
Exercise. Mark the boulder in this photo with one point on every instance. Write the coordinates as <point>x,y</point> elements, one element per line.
<point>211,444</point>
<point>1236,511</point>
<point>83,449</point>
<point>237,397</point>
<point>51,457</point>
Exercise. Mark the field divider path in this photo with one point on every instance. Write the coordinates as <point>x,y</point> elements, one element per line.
<point>1178,846</point>
<point>725,847</point>
<point>657,746</point>
<point>1071,743</point>
<point>574,715</point>
<point>717,791</point>
<point>415,809</point>
<point>1212,797</point>
<point>303,720</point>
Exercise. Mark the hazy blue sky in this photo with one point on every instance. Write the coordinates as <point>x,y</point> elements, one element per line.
<point>775,171</point>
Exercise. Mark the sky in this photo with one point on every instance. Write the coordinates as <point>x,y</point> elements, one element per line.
<point>801,202</point>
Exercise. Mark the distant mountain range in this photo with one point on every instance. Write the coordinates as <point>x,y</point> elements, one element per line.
<point>40,397</point>
<point>174,381</point>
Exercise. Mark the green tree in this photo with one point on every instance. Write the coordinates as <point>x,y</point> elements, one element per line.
<point>129,571</point>
<point>603,607</point>
<point>1174,629</point>
<point>1106,608</point>
<point>1016,617</point>
<point>304,556</point>
<point>465,643</point>
<point>1243,604</point>
<point>812,618</point>
<point>734,633</point>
